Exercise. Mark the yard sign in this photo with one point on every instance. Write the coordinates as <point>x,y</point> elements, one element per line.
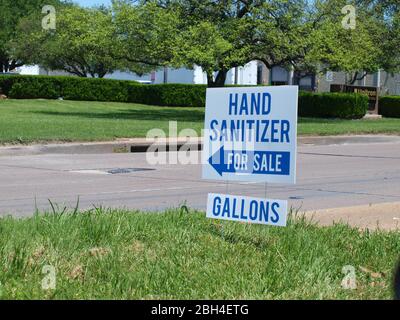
<point>250,135</point>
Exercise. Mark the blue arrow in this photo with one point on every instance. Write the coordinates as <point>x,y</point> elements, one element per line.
<point>251,162</point>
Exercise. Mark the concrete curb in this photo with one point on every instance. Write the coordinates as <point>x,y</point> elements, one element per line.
<point>118,146</point>
<point>141,145</point>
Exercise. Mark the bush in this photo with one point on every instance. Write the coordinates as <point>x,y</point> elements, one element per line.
<point>7,82</point>
<point>96,89</point>
<point>89,89</point>
<point>70,88</point>
<point>333,105</point>
<point>31,89</point>
<point>389,106</point>
<point>318,105</point>
<point>185,95</point>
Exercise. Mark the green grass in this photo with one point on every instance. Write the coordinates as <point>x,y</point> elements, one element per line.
<point>324,127</point>
<point>26,121</point>
<point>111,254</point>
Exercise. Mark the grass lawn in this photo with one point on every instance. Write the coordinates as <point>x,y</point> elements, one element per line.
<point>111,254</point>
<point>25,121</point>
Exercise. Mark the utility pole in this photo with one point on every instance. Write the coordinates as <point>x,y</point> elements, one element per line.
<point>237,75</point>
<point>165,74</point>
<point>237,68</point>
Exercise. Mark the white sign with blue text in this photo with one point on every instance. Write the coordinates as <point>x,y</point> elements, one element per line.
<point>246,209</point>
<point>251,134</point>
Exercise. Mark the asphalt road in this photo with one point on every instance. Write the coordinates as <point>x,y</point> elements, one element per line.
<point>350,173</point>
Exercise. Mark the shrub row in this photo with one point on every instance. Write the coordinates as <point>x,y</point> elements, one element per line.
<point>324,105</point>
<point>169,95</point>
<point>70,88</point>
<point>333,105</point>
<point>89,89</point>
<point>389,106</point>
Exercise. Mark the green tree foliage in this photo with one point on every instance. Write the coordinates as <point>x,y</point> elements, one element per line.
<point>387,12</point>
<point>282,33</point>
<point>356,51</point>
<point>214,34</point>
<point>83,43</point>
<point>11,11</point>
<point>302,35</point>
<point>146,35</point>
<point>391,45</point>
<point>217,35</point>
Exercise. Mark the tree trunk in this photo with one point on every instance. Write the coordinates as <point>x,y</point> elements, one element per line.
<point>354,78</point>
<point>4,66</point>
<point>219,80</point>
<point>7,65</point>
<point>210,79</point>
<point>357,77</point>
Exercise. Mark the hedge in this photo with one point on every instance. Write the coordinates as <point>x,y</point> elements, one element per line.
<point>389,106</point>
<point>188,95</point>
<point>319,105</point>
<point>89,89</point>
<point>69,88</point>
<point>333,105</point>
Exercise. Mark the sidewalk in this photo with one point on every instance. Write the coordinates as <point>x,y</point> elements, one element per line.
<point>383,216</point>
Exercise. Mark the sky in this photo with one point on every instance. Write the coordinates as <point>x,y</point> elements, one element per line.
<point>89,3</point>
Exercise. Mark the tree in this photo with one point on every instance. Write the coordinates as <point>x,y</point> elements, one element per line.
<point>83,43</point>
<point>213,34</point>
<point>283,34</point>
<point>11,11</point>
<point>146,35</point>
<point>213,48</point>
<point>391,45</point>
<point>355,51</point>
<point>387,12</point>
<point>219,35</point>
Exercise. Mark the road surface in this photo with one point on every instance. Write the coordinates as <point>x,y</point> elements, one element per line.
<point>361,172</point>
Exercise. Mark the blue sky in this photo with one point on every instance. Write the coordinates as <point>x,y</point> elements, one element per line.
<point>92,2</point>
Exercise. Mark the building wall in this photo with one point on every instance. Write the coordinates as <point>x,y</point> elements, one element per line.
<point>252,73</point>
<point>199,76</point>
<point>39,71</point>
<point>121,75</point>
<point>324,81</point>
<point>247,75</point>
<point>279,75</point>
<point>181,75</point>
<point>173,75</point>
<point>29,70</point>
<point>263,74</point>
<point>389,84</point>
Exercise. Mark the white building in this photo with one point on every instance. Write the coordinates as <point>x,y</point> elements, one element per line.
<point>247,75</point>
